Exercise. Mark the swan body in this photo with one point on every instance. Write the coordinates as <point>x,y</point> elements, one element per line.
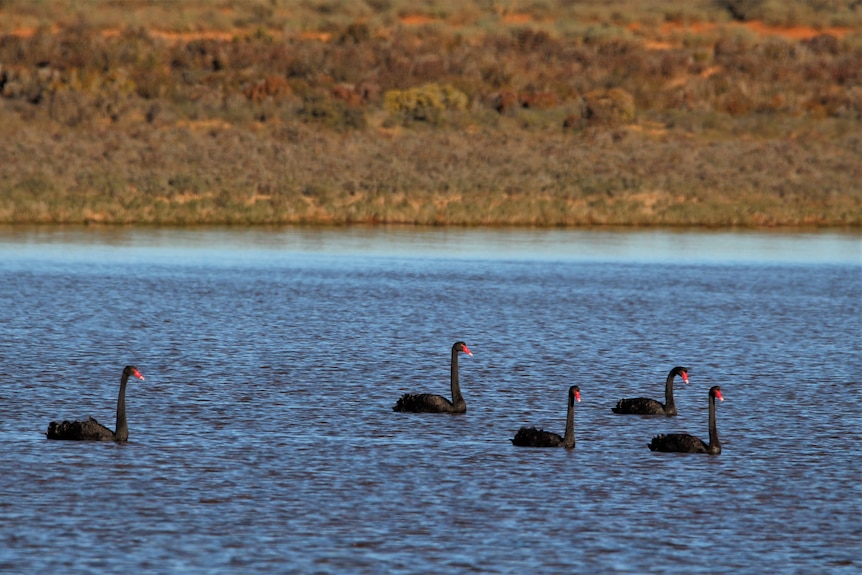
<point>533,437</point>
<point>428,403</point>
<point>87,430</point>
<point>92,430</point>
<point>647,406</point>
<point>685,443</point>
<point>431,403</point>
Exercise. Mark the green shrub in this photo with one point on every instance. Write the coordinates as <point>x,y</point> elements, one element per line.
<point>424,104</point>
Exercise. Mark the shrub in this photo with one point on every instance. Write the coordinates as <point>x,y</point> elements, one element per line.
<point>334,113</point>
<point>613,107</point>
<point>69,107</point>
<point>270,87</point>
<point>425,103</point>
<point>822,44</point>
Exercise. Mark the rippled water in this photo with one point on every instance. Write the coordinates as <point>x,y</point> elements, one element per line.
<point>263,439</point>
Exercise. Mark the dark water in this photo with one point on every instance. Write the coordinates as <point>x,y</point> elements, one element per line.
<point>263,440</point>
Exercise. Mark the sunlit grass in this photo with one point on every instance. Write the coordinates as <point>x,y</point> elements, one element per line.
<point>444,112</point>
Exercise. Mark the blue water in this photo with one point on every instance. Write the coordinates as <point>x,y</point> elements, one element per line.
<point>263,440</point>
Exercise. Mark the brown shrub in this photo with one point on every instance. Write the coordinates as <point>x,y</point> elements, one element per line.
<point>737,102</point>
<point>539,100</point>
<point>497,75</point>
<point>822,44</point>
<point>347,94</point>
<point>835,102</point>
<point>847,70</point>
<point>69,107</point>
<point>612,107</point>
<point>506,102</point>
<point>369,92</point>
<point>529,40</point>
<point>271,87</point>
<point>336,114</point>
<point>356,33</point>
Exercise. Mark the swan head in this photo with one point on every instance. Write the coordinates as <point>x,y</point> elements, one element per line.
<point>576,392</point>
<point>682,372</point>
<point>462,347</point>
<point>715,391</point>
<point>132,370</point>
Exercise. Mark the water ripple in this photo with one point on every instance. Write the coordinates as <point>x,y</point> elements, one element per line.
<point>263,438</point>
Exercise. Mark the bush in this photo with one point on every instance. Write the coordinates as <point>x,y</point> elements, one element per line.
<point>424,104</point>
<point>337,114</point>
<point>613,107</point>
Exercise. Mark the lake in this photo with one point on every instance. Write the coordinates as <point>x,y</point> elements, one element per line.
<point>263,439</point>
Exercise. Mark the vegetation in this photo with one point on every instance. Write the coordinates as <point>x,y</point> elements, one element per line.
<point>547,112</point>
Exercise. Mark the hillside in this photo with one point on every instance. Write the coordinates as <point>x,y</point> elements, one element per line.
<point>448,113</point>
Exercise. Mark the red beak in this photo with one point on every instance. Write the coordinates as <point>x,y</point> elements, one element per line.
<point>467,350</point>
<point>578,396</point>
<point>137,374</point>
<point>718,395</point>
<point>684,377</point>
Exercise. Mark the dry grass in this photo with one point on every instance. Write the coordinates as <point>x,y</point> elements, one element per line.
<point>509,113</point>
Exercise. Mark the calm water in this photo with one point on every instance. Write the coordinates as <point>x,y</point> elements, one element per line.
<point>263,439</point>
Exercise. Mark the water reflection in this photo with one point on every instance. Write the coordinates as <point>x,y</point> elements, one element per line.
<point>603,244</point>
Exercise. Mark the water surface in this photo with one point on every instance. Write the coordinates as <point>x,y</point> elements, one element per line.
<point>263,439</point>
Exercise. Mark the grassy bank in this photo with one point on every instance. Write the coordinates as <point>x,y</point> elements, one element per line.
<point>551,113</point>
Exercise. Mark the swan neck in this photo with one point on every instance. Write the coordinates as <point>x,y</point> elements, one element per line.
<point>453,379</point>
<point>668,393</point>
<point>121,432</point>
<point>569,436</point>
<point>714,444</point>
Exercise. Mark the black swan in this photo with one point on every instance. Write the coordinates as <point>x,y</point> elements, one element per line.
<point>532,437</point>
<point>646,406</point>
<point>92,430</point>
<point>430,403</point>
<point>685,443</point>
